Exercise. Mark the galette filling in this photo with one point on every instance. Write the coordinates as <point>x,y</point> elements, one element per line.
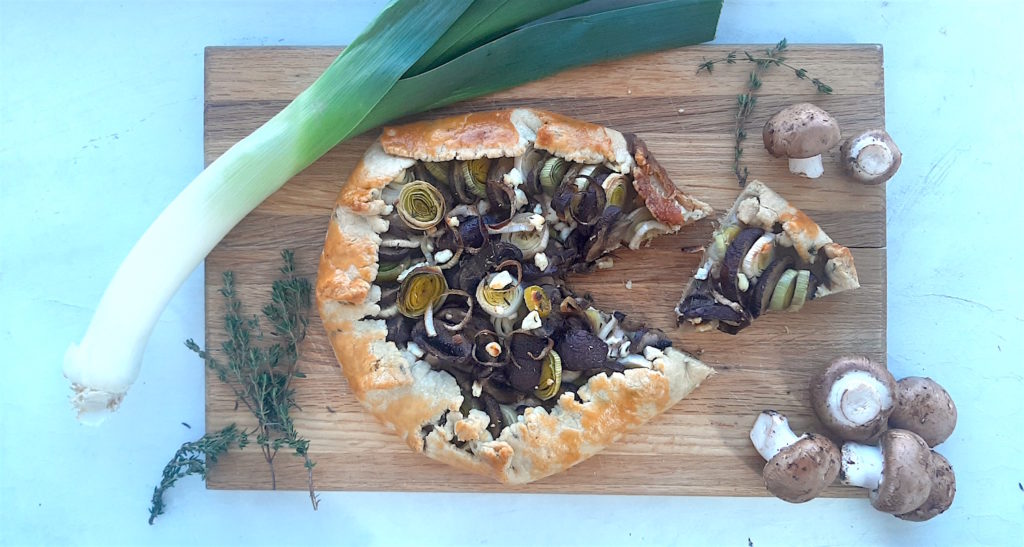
<point>472,274</point>
<point>746,272</point>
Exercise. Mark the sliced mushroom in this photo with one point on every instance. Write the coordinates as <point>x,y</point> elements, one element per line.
<point>493,410</point>
<point>798,469</point>
<point>582,350</point>
<point>733,260</point>
<point>489,349</point>
<point>446,347</point>
<point>924,407</point>
<point>896,471</point>
<point>854,397</point>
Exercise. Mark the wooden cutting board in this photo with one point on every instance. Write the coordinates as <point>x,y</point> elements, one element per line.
<point>699,447</point>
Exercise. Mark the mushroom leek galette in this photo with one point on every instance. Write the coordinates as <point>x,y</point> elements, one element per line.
<point>765,256</point>
<point>442,289</point>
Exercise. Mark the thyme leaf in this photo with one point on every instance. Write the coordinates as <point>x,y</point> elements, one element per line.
<point>260,375</point>
<point>746,101</point>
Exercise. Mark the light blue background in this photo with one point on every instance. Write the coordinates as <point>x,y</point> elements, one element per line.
<point>101,109</point>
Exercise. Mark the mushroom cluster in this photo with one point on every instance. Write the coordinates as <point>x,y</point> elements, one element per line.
<point>803,132</point>
<point>472,273</point>
<point>889,429</point>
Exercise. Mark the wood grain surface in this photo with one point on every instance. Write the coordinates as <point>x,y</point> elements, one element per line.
<point>699,447</point>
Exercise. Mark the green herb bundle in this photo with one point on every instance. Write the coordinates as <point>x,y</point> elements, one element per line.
<point>260,374</point>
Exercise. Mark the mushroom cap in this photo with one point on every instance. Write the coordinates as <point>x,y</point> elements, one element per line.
<point>821,387</point>
<point>906,478</point>
<point>803,469</point>
<point>941,496</point>
<point>800,131</point>
<point>924,407</point>
<point>864,155</point>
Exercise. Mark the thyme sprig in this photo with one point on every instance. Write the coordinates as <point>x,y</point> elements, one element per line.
<point>194,458</point>
<point>260,376</point>
<point>746,101</point>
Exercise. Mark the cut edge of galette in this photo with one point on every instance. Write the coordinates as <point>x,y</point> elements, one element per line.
<point>442,289</point>
<point>765,256</point>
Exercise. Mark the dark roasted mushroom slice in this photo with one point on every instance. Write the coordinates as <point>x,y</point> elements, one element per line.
<point>472,231</point>
<point>447,347</point>
<point>523,374</point>
<point>761,294</point>
<point>600,241</point>
<point>586,206</point>
<point>734,259</point>
<point>393,254</point>
<point>582,350</point>
<point>494,413</point>
<point>712,312</point>
<point>399,327</point>
<point>497,387</point>
<point>488,349</point>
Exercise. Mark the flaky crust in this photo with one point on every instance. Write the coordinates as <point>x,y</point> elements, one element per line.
<point>759,206</point>
<point>421,404</point>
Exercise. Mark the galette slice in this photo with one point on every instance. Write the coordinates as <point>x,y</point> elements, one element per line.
<point>765,256</point>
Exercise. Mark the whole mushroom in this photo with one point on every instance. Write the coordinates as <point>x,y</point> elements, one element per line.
<point>854,397</point>
<point>802,133</point>
<point>941,496</point>
<point>896,471</point>
<point>797,468</point>
<point>924,407</point>
<point>870,157</point>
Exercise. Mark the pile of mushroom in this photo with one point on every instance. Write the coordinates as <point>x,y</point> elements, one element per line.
<point>803,132</point>
<point>888,429</point>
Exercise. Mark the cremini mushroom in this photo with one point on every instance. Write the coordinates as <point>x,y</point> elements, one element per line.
<point>870,157</point>
<point>924,407</point>
<point>943,490</point>
<point>797,468</point>
<point>896,471</point>
<point>802,133</point>
<point>854,397</point>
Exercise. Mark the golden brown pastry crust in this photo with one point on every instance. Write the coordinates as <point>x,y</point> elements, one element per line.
<point>759,206</point>
<point>422,404</point>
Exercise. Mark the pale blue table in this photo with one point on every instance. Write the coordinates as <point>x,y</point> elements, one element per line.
<point>101,125</point>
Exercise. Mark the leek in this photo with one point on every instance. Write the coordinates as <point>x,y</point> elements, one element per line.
<point>417,55</point>
<point>106,362</point>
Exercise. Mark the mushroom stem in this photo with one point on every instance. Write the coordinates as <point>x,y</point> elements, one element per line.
<point>873,156</point>
<point>771,433</point>
<point>861,465</point>
<point>857,398</point>
<point>807,167</point>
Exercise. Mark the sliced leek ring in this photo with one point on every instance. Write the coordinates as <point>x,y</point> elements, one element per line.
<point>390,271</point>
<point>499,302</point>
<point>421,205</point>
<point>439,170</point>
<point>550,377</point>
<point>642,233</point>
<point>759,256</point>
<point>537,300</point>
<point>551,174</point>
<point>424,288</point>
<point>530,242</point>
<point>615,189</point>
<point>802,284</point>
<point>783,293</point>
<point>474,174</point>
